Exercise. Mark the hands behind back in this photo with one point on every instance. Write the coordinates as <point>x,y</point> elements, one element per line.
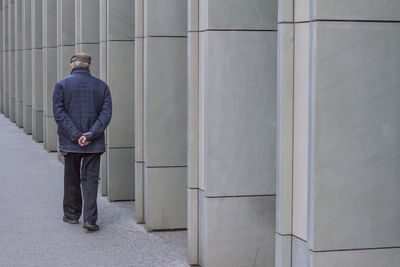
<point>82,140</point>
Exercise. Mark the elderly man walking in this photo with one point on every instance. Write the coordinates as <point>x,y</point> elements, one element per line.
<point>82,109</point>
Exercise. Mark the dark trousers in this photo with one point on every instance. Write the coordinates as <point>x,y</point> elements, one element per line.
<point>81,168</point>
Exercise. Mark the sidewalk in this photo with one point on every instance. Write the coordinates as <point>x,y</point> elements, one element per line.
<point>32,232</point>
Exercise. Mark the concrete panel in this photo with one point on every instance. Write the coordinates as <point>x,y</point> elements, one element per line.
<point>357,258</point>
<point>103,174</point>
<point>11,84</point>
<point>165,17</point>
<point>19,98</point>
<point>300,129</point>
<point>49,22</point>
<point>121,20</point>
<point>166,102</point>
<point>193,226</point>
<point>302,10</point>
<point>285,10</point>
<point>354,176</point>
<point>49,78</point>
<point>238,14</point>
<point>388,10</point>
<point>90,32</point>
<point>37,125</point>
<point>301,253</point>
<point>139,197</point>
<point>120,168</point>
<point>37,79</point>
<point>139,98</point>
<point>240,113</point>
<point>36,25</point>
<point>283,250</point>
<point>193,109</point>
<point>67,12</point>
<point>50,128</point>
<point>241,225</point>
<point>26,25</point>
<point>165,198</point>
<point>285,128</point>
<point>64,54</point>
<point>103,20</point>
<point>103,61</point>
<point>193,15</point>
<point>139,18</point>
<point>27,90</point>
<point>120,59</point>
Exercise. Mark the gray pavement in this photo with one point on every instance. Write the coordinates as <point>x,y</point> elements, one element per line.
<point>32,232</point>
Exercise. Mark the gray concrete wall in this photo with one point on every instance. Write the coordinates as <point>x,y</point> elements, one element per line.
<point>120,78</point>
<point>27,66</point>
<point>49,72</point>
<point>37,70</point>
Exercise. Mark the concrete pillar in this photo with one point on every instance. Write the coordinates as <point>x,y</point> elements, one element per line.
<point>164,114</point>
<point>345,134</point>
<point>139,112</point>
<point>49,73</point>
<point>5,59</point>
<point>11,60</point>
<point>120,73</point>
<point>232,143</point>
<point>37,71</point>
<point>1,60</point>
<point>103,76</point>
<point>27,66</point>
<point>19,99</point>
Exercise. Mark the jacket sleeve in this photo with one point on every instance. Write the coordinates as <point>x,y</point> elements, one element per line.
<point>103,119</point>
<point>61,116</point>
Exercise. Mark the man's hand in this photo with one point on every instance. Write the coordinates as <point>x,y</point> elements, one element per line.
<point>82,140</point>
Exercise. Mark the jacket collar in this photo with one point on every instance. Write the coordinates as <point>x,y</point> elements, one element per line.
<point>81,70</point>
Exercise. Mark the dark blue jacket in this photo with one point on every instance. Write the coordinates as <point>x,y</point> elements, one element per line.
<point>81,104</point>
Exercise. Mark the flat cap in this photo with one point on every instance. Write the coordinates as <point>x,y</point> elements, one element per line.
<point>82,57</point>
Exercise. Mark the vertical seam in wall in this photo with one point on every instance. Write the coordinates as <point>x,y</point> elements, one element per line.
<point>198,120</point>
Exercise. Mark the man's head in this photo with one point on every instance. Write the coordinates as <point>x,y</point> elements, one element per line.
<point>81,60</point>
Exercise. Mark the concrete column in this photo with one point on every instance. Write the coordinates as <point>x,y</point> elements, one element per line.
<point>120,73</point>
<point>5,59</point>
<point>19,99</point>
<point>27,66</point>
<point>139,112</point>
<point>37,71</point>
<point>232,143</point>
<point>103,76</point>
<point>49,73</point>
<point>1,60</point>
<point>11,60</point>
<point>164,114</point>
<point>345,134</point>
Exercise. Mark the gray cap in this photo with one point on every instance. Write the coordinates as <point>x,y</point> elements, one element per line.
<point>82,57</point>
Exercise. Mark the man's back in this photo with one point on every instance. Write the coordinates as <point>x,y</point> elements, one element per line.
<point>81,103</point>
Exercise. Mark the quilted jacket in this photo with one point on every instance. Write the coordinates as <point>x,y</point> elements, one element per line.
<point>81,104</point>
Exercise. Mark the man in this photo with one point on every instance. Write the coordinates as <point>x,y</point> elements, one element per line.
<point>82,109</point>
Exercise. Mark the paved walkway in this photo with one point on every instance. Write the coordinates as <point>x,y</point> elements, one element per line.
<point>32,232</point>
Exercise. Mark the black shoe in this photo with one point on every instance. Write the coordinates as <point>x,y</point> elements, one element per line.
<point>71,221</point>
<point>91,227</point>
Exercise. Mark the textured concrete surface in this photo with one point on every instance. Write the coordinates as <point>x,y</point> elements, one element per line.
<point>31,227</point>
